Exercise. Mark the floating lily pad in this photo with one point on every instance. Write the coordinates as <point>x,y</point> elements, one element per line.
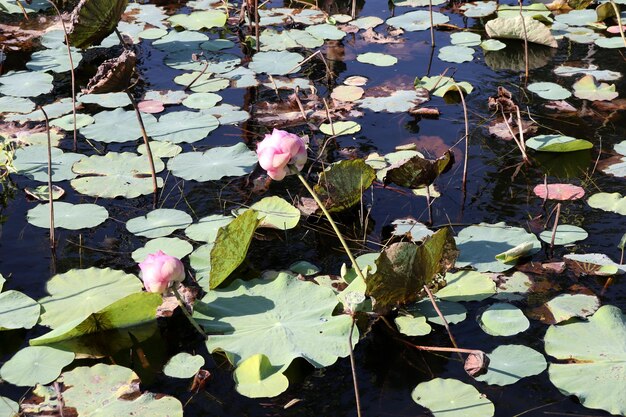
<point>367,22</point>
<point>16,105</point>
<point>214,164</point>
<point>593,359</point>
<point>115,175</point>
<point>17,310</point>
<point>183,126</point>
<point>276,213</point>
<point>398,102</point>
<point>152,33</point>
<point>187,41</point>
<point>8,407</point>
<point>453,312</point>
<point>183,365</point>
<point>479,8</point>
<point>340,128</point>
<point>613,202</point>
<point>78,293</point>
<point>578,17</point>
<point>255,377</point>
<point>565,234</point>
<point>106,126</point>
<point>32,162</point>
<point>467,286</point>
<point>67,122</point>
<point>206,228</point>
<point>456,54</point>
<point>285,319</point>
<point>510,363</point>
<point>276,62</point>
<point>565,306</point>
<point>35,365</point>
<point>617,169</point>
<point>513,288</point>
<point>440,86</point>
<point>513,28</point>
<point>158,223</point>
<point>599,75</point>
<point>415,230</point>
<point>549,91</point>
<point>378,59</point>
<point>53,110</point>
<point>202,100</point>
<point>161,149</point>
<point>211,62</point>
<point>610,43</point>
<point>55,60</point>
<point>205,19</point>
<point>326,31</point>
<point>108,100</point>
<point>304,268</point>
<point>589,89</point>
<point>412,325</point>
<point>202,83</point>
<point>479,245</point>
<point>559,192</point>
<point>346,93</point>
<point>228,114</point>
<point>452,398</point>
<point>172,246</point>
<point>417,20</point>
<point>503,319</point>
<point>538,11</point>
<point>25,83</point>
<point>68,216</point>
<point>465,39</point>
<point>592,264</point>
<point>557,143</point>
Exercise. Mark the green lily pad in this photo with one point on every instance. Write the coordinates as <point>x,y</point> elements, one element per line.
<point>340,128</point>
<point>347,93</point>
<point>557,143</point>
<point>255,377</point>
<point>32,162</point>
<point>465,39</point>
<point>592,264</point>
<point>280,15</point>
<point>565,234</point>
<point>205,19</point>
<point>183,365</point>
<point>565,306</point>
<point>599,75</point>
<point>108,100</point>
<point>467,286</point>
<point>378,59</point>
<point>276,213</point>
<point>214,164</point>
<point>503,319</point>
<point>549,91</point>
<point>456,54</point>
<point>16,105</point>
<point>202,100</point>
<point>25,83</point>
<point>593,355</point>
<point>398,102</point>
<point>41,192</point>
<point>452,398</point>
<point>161,149</point>
<point>402,269</point>
<point>152,33</point>
<point>93,20</point>
<point>207,227</point>
<point>577,17</point>
<point>131,311</point>
<point>106,126</point>
<point>492,45</point>
<point>415,230</point>
<point>617,169</point>
<point>510,363</point>
<point>513,288</point>
<point>78,293</point>
<point>17,310</point>
<point>9,408</point>
<point>99,391</point>
<point>440,86</point>
<point>68,216</point>
<point>158,223</point>
<point>276,62</point>
<point>35,365</point>
<point>211,62</point>
<point>413,325</point>
<point>367,22</point>
<point>231,246</point>
<point>341,185</point>
<point>67,122</point>
<point>187,41</point>
<point>538,11</point>
<point>453,312</point>
<point>513,28</point>
<point>326,31</point>
<point>479,245</point>
<point>304,268</point>
<point>228,114</point>
<point>200,261</point>
<point>284,319</point>
<point>479,8</point>
<point>204,83</point>
<point>115,175</point>
<point>183,126</point>
<point>588,88</point>
<point>172,246</point>
<point>417,20</point>
<point>55,60</point>
<point>613,202</point>
<point>610,43</point>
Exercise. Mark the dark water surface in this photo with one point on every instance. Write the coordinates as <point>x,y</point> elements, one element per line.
<point>388,370</point>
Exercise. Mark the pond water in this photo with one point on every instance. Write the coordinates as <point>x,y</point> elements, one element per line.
<point>499,189</point>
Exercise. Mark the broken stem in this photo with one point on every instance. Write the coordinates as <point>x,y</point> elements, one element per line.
<point>206,66</point>
<point>50,197</point>
<point>556,223</point>
<point>442,317</point>
<point>183,307</point>
<point>330,120</point>
<point>332,224</point>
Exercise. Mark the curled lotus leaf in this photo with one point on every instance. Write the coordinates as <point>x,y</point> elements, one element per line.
<point>417,172</point>
<point>93,20</point>
<point>516,28</point>
<point>113,75</point>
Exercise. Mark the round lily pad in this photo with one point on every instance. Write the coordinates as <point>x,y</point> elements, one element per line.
<point>503,319</point>
<point>613,202</point>
<point>25,83</point>
<point>206,228</point>
<point>17,310</point>
<point>55,60</point>
<point>214,164</point>
<point>68,216</point>
<point>557,143</point>
<point>549,91</point>
<point>452,398</point>
<point>456,53</point>
<point>377,58</point>
<point>467,286</point>
<point>465,39</point>
<point>183,365</point>
<point>202,83</point>
<point>510,363</point>
<point>161,149</point>
<point>67,122</point>
<point>565,306</point>
<point>183,126</point>
<point>276,213</point>
<point>158,223</point>
<point>35,365</point>
<point>32,162</point>
<point>417,20</point>
<point>347,93</point>
<point>202,100</point>
<point>340,128</point>
<point>255,377</point>
<point>565,234</point>
<point>106,126</point>
<point>172,246</point>
<point>451,311</point>
<point>276,62</point>
<point>108,100</point>
<point>413,325</point>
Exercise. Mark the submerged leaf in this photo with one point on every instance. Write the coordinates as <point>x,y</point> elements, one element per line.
<point>417,172</point>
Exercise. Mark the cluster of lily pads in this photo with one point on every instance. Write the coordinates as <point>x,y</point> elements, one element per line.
<point>300,312</point>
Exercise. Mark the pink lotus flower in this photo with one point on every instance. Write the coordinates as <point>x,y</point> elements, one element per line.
<point>159,270</point>
<point>280,150</point>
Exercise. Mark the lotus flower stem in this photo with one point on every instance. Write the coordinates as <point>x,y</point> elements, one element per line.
<point>332,224</point>
<point>206,66</point>
<point>357,396</point>
<point>72,74</point>
<point>466,136</point>
<point>146,141</point>
<point>50,197</point>
<point>442,317</point>
<point>556,224</point>
<point>183,307</point>
<point>619,21</point>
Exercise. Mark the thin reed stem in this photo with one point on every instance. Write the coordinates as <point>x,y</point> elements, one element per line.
<point>50,197</point>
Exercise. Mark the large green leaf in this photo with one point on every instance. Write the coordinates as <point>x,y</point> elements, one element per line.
<point>283,319</point>
<point>467,286</point>
<point>613,202</point>
<point>8,407</point>
<point>131,311</point>
<point>503,319</point>
<point>214,164</point>
<point>35,365</point>
<point>589,89</point>
<point>68,216</point>
<point>78,293</point>
<point>231,246</point>
<point>17,310</point>
<point>25,83</point>
<point>417,20</point>
<point>158,223</point>
<point>106,126</point>
<point>593,359</point>
<point>341,185</point>
<point>402,269</point>
<point>276,63</point>
<point>98,391</point>
<point>452,398</point>
<point>183,126</point>
<point>32,162</point>
<point>516,28</point>
<point>94,20</point>
<point>480,244</point>
<point>276,213</point>
<point>510,363</point>
<point>557,143</point>
<point>115,175</point>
